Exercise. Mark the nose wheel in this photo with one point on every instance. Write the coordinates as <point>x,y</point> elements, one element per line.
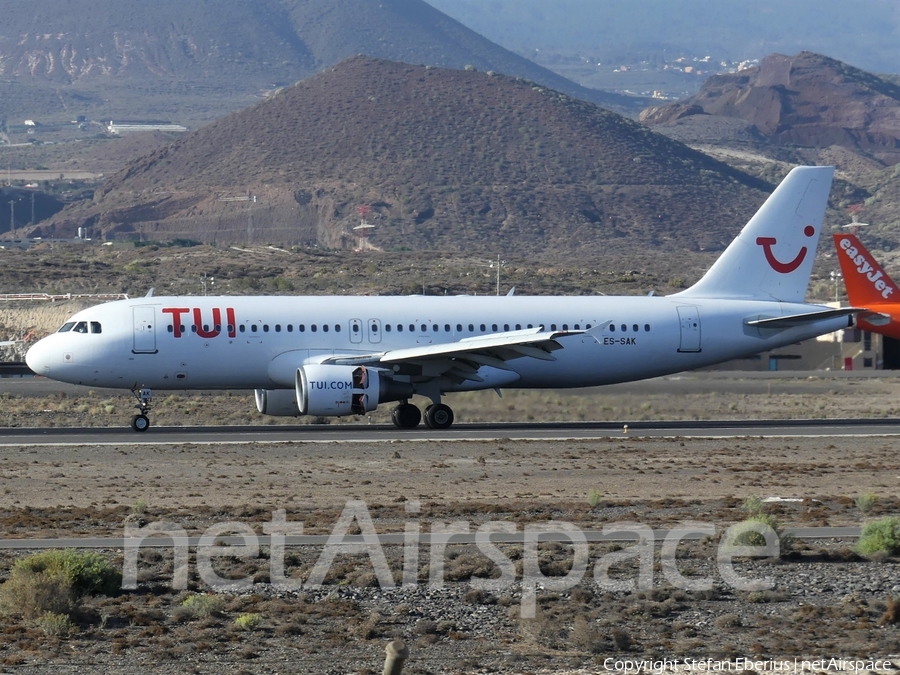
<point>141,422</point>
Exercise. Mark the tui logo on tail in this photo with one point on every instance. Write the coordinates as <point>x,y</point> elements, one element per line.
<point>781,267</point>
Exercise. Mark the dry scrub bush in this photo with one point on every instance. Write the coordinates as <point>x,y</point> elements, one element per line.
<point>880,536</point>
<point>55,624</point>
<point>54,581</point>
<point>248,621</point>
<point>32,594</point>
<point>202,606</point>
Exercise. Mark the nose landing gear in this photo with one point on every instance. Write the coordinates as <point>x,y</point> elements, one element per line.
<point>141,422</point>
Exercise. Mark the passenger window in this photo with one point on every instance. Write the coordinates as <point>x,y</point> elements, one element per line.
<point>265,328</point>
<point>612,328</point>
<point>374,327</point>
<point>412,328</point>
<point>483,328</point>
<point>243,328</point>
<point>194,328</point>
<point>530,326</point>
<point>206,328</point>
<point>355,328</point>
<point>446,327</point>
<point>171,329</point>
<point>471,328</point>
<point>337,328</point>
<point>95,327</point>
<point>552,326</point>
<point>576,327</point>
<point>494,327</point>
<point>324,327</point>
<point>277,327</point>
<point>518,326</point>
<point>230,328</point>
<point>506,326</point>
<point>253,328</point>
<point>587,326</point>
<point>290,328</point>
<point>635,328</point>
<point>387,328</point>
<point>459,328</point>
<point>424,328</point>
<point>301,328</point>
<point>313,328</point>
<point>624,328</point>
<point>647,327</point>
<point>565,326</point>
<point>399,327</point>
<point>66,327</point>
<point>435,328</point>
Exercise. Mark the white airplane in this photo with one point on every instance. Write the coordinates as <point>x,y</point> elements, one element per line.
<point>337,355</point>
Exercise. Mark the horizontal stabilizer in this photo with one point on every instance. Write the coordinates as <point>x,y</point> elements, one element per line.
<point>875,318</point>
<point>781,322</point>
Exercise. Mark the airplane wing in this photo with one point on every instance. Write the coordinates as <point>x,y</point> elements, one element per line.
<point>463,358</point>
<point>780,322</point>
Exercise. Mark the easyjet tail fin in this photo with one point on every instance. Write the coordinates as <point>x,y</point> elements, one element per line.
<point>772,257</point>
<point>866,281</point>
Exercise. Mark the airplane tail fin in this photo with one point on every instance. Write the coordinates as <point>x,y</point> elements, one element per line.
<point>772,257</point>
<point>866,281</point>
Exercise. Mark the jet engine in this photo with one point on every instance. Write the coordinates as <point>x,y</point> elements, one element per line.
<point>277,402</point>
<point>330,390</point>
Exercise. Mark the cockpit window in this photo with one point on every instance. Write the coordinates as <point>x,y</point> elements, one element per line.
<point>66,327</point>
<point>96,327</point>
<point>81,327</point>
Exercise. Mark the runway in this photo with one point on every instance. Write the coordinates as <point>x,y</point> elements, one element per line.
<point>349,433</point>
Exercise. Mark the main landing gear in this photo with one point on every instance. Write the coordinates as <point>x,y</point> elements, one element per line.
<point>141,422</point>
<point>437,416</point>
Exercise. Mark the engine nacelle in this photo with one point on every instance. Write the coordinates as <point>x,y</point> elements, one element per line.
<point>337,390</point>
<point>277,402</point>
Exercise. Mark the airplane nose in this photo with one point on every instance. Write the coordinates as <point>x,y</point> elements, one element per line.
<point>38,358</point>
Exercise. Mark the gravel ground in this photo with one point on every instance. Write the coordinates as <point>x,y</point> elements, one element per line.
<point>824,601</point>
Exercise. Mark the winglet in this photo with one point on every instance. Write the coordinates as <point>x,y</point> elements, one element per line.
<point>866,281</point>
<point>772,257</point>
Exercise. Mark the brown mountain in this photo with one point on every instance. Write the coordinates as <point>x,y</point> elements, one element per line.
<point>807,100</point>
<point>447,160</point>
<point>194,61</point>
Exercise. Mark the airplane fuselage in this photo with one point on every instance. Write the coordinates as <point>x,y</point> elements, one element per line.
<point>259,342</point>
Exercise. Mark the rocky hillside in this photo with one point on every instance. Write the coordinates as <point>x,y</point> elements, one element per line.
<point>446,159</point>
<point>807,101</point>
<point>126,58</point>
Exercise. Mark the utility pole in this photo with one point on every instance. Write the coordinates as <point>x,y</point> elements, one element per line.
<point>32,210</point>
<point>251,199</point>
<point>12,218</point>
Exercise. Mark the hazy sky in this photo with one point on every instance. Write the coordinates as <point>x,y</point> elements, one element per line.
<point>864,33</point>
